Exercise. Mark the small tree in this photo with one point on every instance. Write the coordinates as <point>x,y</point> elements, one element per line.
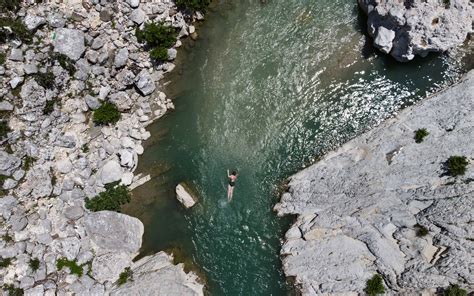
<point>125,276</point>
<point>72,265</point>
<point>456,165</point>
<point>107,113</point>
<point>4,129</point>
<point>454,290</point>
<point>17,30</point>
<point>46,80</point>
<point>34,264</point>
<point>193,4</point>
<point>421,230</point>
<point>375,286</point>
<point>420,135</point>
<point>111,199</point>
<point>5,262</point>
<point>158,37</point>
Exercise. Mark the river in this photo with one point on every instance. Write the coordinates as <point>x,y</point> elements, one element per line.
<point>266,89</point>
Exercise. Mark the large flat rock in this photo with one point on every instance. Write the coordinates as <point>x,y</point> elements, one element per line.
<point>416,27</point>
<point>358,207</point>
<point>69,42</point>
<point>157,275</point>
<point>113,231</point>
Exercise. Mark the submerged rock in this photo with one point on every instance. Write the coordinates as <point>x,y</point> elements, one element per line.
<point>360,207</point>
<point>184,195</point>
<point>408,28</point>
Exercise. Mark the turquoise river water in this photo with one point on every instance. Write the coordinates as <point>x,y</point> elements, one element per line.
<point>265,89</point>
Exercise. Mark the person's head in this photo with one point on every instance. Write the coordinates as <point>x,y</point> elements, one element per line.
<point>234,173</point>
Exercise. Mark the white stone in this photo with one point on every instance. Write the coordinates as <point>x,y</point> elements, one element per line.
<point>184,197</point>
<point>111,172</point>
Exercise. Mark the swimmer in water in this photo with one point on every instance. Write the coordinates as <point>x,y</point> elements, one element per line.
<point>230,188</point>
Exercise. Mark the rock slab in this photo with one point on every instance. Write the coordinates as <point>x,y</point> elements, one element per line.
<point>69,42</point>
<point>360,207</point>
<point>184,196</point>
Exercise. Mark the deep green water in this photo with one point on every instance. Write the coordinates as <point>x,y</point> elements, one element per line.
<point>265,89</point>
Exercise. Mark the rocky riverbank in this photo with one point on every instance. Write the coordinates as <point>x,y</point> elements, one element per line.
<point>79,55</point>
<point>404,29</point>
<point>383,203</point>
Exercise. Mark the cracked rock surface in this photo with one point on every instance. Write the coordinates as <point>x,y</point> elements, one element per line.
<point>416,27</point>
<point>360,207</point>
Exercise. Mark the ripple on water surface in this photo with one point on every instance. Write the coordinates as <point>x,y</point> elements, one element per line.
<point>267,87</point>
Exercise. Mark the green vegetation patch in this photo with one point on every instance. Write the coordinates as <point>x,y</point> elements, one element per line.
<point>12,290</point>
<point>193,5</point>
<point>85,148</point>
<point>111,199</point>
<point>3,58</point>
<point>17,30</point>
<point>375,286</point>
<point>4,129</point>
<point>5,262</point>
<point>107,113</point>
<point>456,165</point>
<point>34,264</point>
<point>65,62</point>
<point>49,107</point>
<point>421,230</point>
<point>454,290</point>
<point>10,5</point>
<point>28,162</point>
<point>158,37</point>
<point>420,135</point>
<point>72,265</point>
<point>125,276</point>
<point>7,238</point>
<point>46,80</point>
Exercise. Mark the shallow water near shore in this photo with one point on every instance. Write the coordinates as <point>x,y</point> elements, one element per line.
<point>265,90</point>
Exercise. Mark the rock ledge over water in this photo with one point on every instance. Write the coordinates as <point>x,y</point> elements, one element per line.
<point>361,208</point>
<point>415,27</point>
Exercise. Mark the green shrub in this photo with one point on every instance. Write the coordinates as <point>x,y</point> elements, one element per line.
<point>72,265</point>
<point>106,113</point>
<point>28,162</point>
<point>65,62</point>
<point>111,199</point>
<point>375,286</point>
<point>5,262</point>
<point>3,58</point>
<point>193,4</point>
<point>454,290</point>
<point>7,238</point>
<point>125,275</point>
<point>34,264</point>
<point>4,129</point>
<point>447,3</point>
<point>49,107</point>
<point>158,37</point>
<point>159,54</point>
<point>10,5</point>
<point>420,134</point>
<point>46,80</point>
<point>85,148</point>
<point>12,290</point>
<point>456,165</point>
<point>421,230</point>
<point>18,30</point>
